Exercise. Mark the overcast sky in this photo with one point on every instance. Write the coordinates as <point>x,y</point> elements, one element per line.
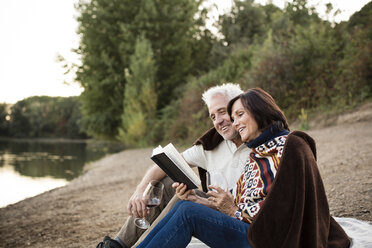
<point>32,33</point>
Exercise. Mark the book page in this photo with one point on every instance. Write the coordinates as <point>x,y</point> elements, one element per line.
<point>157,150</point>
<point>173,154</point>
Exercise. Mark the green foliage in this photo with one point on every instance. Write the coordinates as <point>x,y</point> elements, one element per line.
<point>306,63</point>
<point>355,83</point>
<point>299,13</point>
<point>109,30</point>
<point>362,19</point>
<point>297,68</point>
<point>304,125</point>
<point>245,22</point>
<point>43,116</point>
<point>139,97</point>
<point>170,26</point>
<point>101,71</point>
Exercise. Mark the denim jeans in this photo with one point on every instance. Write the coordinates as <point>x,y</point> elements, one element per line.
<point>189,219</point>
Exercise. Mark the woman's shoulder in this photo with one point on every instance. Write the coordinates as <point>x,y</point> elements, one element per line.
<point>300,140</point>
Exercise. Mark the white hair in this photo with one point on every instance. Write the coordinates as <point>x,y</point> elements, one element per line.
<point>229,90</point>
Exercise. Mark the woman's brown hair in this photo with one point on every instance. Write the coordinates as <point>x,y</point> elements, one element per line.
<point>263,109</point>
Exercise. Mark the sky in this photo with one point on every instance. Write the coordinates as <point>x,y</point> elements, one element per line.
<point>33,33</point>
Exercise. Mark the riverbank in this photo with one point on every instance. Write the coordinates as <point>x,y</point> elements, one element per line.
<point>94,205</point>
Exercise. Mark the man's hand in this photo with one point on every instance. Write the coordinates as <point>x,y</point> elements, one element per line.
<point>183,193</point>
<point>137,205</point>
<point>222,201</point>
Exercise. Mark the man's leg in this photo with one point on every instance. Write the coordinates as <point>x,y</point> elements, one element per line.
<point>129,233</point>
<point>165,211</point>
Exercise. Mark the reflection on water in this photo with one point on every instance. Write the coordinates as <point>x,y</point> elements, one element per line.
<point>33,167</point>
<point>15,187</point>
<point>40,159</point>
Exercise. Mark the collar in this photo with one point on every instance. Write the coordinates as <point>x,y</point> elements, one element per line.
<point>209,140</point>
<point>269,134</point>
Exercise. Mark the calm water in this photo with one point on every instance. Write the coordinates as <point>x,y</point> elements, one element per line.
<point>28,168</point>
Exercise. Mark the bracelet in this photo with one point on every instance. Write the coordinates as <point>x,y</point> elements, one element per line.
<point>238,213</point>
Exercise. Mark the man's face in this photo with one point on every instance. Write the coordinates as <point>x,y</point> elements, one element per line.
<point>220,118</point>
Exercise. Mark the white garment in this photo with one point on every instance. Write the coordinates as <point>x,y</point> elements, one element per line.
<point>359,231</point>
<point>226,158</point>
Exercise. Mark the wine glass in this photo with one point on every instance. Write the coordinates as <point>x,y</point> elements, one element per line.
<point>152,196</point>
<point>216,178</point>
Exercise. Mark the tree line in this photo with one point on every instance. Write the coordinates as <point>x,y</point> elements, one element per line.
<point>42,117</point>
<point>144,64</point>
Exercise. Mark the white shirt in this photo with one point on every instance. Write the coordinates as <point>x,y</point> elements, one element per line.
<point>226,158</point>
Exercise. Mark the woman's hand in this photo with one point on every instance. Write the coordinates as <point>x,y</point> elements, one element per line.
<point>183,193</point>
<point>222,201</point>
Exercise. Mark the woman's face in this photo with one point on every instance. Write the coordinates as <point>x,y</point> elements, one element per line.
<point>244,122</point>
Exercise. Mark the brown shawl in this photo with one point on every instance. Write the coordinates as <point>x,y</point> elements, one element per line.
<point>295,212</point>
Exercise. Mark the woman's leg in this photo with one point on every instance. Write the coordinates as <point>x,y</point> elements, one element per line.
<point>210,226</point>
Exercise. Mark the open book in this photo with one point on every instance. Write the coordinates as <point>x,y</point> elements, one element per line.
<point>174,165</point>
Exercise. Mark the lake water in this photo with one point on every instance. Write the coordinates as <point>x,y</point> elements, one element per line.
<point>30,167</point>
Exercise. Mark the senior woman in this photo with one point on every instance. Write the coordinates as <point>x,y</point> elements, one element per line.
<point>229,219</point>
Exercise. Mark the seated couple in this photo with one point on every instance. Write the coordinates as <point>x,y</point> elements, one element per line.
<point>290,211</point>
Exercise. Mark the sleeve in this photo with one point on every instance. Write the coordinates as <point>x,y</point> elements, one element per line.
<point>195,156</point>
<point>247,212</point>
<point>247,209</point>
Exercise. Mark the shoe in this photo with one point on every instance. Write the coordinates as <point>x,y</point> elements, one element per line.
<point>109,243</point>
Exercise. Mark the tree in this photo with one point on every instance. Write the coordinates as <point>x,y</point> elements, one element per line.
<point>171,28</point>
<point>4,122</point>
<point>306,63</point>
<point>104,55</point>
<point>356,66</point>
<point>362,18</point>
<point>139,96</point>
<point>299,12</point>
<point>109,30</point>
<point>43,116</point>
<point>19,124</point>
<point>245,23</point>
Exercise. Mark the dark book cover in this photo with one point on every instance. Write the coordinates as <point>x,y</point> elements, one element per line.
<point>172,170</point>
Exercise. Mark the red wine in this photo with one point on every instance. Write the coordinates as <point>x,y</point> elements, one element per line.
<point>153,202</point>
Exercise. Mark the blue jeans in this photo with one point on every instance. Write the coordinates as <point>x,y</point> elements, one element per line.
<point>187,219</point>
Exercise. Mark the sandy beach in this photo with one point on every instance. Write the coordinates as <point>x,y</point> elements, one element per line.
<point>94,205</point>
